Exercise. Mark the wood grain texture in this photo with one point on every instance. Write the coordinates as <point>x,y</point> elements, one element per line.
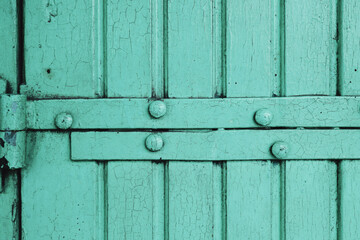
<point>190,200</point>
<point>9,207</point>
<point>250,203</point>
<point>250,43</point>
<point>310,47</point>
<point>349,64</point>
<point>59,197</point>
<point>130,200</point>
<point>62,49</point>
<point>349,84</point>
<point>349,180</point>
<point>9,203</point>
<point>129,44</point>
<point>310,69</point>
<point>190,49</point>
<point>311,192</point>
<point>9,44</point>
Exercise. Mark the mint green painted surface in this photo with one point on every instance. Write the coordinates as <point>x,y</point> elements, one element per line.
<point>250,39</point>
<point>191,41</point>
<point>61,199</point>
<point>200,113</point>
<point>311,192</point>
<point>62,53</point>
<point>253,197</point>
<point>349,34</point>
<point>310,47</point>
<point>9,80</point>
<point>224,52</point>
<point>129,49</point>
<point>208,145</point>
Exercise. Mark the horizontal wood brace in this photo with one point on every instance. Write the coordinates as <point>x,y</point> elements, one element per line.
<point>197,113</point>
<point>217,145</point>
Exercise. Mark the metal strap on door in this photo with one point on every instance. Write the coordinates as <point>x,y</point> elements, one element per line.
<point>142,129</point>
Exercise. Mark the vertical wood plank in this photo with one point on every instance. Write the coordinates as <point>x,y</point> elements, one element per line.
<point>190,200</point>
<point>190,49</point>
<point>251,36</point>
<point>130,200</point>
<point>219,203</point>
<point>310,69</point>
<point>63,48</point>
<point>311,192</point>
<point>193,69</point>
<point>349,84</point>
<point>9,43</point>
<point>253,70</point>
<point>9,205</point>
<point>310,47</point>
<point>60,198</point>
<point>349,64</point>
<point>129,35</point>
<point>349,227</point>
<point>252,200</point>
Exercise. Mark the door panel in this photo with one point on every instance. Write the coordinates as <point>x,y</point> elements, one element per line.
<point>349,50</point>
<point>310,47</point>
<point>349,84</point>
<point>129,48</point>
<point>61,199</point>
<point>178,49</point>
<point>349,181</point>
<point>130,200</point>
<point>311,192</point>
<point>310,69</point>
<point>191,41</point>
<point>253,200</point>
<point>62,49</point>
<point>252,57</point>
<point>9,202</point>
<point>191,205</point>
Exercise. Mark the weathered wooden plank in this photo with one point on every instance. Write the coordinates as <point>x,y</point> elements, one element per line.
<point>9,207</point>
<point>250,200</point>
<point>310,68</point>
<point>349,84</point>
<point>349,61</point>
<point>130,200</point>
<point>9,43</point>
<point>216,145</point>
<point>9,212</point>
<point>190,49</point>
<point>59,198</point>
<point>63,48</point>
<point>190,200</point>
<point>129,48</point>
<point>311,192</point>
<point>310,47</point>
<point>197,113</point>
<point>349,180</point>
<point>249,48</point>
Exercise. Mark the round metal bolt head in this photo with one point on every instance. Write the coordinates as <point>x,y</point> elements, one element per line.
<point>263,117</point>
<point>157,109</point>
<point>154,142</point>
<point>63,120</point>
<point>280,150</point>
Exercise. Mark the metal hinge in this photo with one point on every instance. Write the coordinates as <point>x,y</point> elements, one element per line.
<point>12,133</point>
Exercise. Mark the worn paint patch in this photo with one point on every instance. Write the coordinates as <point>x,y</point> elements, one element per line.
<point>10,138</point>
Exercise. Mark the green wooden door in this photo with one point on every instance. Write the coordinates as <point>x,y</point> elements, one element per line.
<point>254,134</point>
